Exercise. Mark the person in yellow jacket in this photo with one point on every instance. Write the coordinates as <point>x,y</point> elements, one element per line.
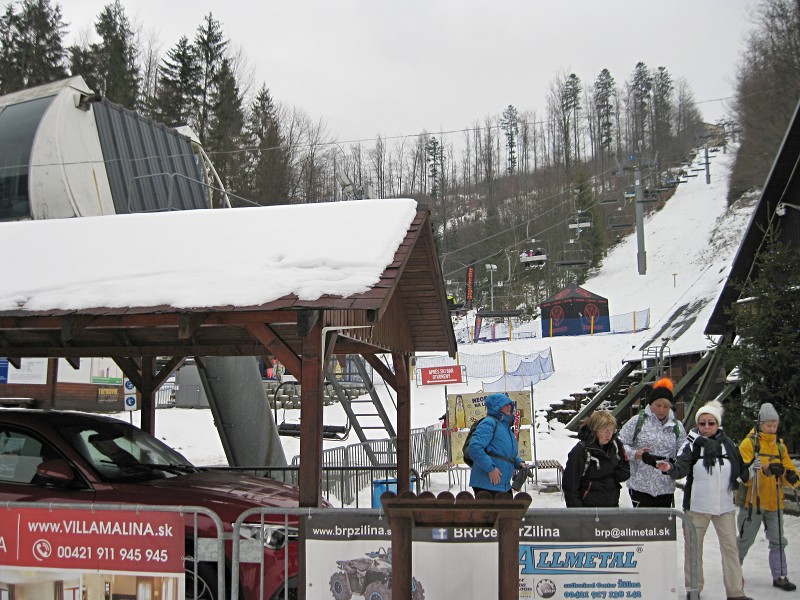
<point>763,500</point>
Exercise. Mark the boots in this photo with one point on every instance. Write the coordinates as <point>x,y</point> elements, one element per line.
<point>784,584</point>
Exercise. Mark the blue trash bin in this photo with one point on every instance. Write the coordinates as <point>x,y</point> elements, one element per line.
<point>379,486</point>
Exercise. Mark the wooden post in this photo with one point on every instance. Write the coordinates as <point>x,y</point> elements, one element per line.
<point>148,393</point>
<point>311,417</point>
<point>503,512</point>
<point>401,370</point>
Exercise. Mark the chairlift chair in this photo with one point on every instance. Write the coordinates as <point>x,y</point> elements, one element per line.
<point>581,220</point>
<point>329,432</point>
<point>621,222</point>
<point>574,256</point>
<point>533,259</point>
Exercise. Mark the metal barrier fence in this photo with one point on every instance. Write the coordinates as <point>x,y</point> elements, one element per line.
<point>555,514</point>
<point>285,527</point>
<point>194,548</point>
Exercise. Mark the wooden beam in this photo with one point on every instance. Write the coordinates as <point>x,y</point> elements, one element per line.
<point>172,364</point>
<point>311,419</point>
<point>131,369</point>
<point>384,371</point>
<point>401,362</point>
<point>148,392</point>
<point>273,344</point>
<point>189,324</point>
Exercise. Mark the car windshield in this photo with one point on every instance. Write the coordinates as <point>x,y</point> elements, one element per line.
<point>119,451</point>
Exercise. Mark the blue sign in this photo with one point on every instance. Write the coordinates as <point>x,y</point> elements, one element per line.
<point>3,370</point>
<point>128,384</point>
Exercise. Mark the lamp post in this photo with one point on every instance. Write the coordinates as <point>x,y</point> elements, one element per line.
<point>491,269</point>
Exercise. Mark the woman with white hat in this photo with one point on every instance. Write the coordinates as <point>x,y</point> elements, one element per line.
<point>713,468</point>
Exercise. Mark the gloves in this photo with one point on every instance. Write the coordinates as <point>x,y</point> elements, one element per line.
<point>792,477</point>
<point>755,466</point>
<point>651,459</point>
<point>776,469</point>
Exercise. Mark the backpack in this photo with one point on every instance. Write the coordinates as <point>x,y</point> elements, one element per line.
<point>640,422</point>
<point>465,448</point>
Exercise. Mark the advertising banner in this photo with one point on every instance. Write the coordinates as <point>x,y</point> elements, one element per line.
<point>89,540</point>
<point>625,556</point>
<point>465,409</point>
<point>613,556</point>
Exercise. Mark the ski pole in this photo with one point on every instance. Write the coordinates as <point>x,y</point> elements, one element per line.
<point>778,494</point>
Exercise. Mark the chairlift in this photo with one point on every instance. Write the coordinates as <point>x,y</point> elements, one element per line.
<point>621,222</point>
<point>609,200</point>
<point>629,194</point>
<point>289,388</point>
<point>581,220</point>
<point>574,255</point>
<point>649,196</point>
<point>533,259</point>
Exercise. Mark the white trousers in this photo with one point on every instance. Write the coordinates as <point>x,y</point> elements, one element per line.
<point>725,526</point>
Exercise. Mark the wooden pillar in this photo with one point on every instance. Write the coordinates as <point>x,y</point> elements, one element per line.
<point>311,418</point>
<point>504,512</point>
<point>508,557</point>
<point>402,525</point>
<point>401,370</point>
<point>52,384</point>
<point>148,393</point>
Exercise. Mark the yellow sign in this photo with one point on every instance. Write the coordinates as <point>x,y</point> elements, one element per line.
<point>465,409</point>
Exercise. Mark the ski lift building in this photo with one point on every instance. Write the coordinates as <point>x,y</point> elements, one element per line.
<point>574,311</point>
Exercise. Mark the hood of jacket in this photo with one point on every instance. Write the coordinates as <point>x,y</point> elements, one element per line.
<point>493,405</point>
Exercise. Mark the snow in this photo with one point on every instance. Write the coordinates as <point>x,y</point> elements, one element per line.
<point>308,250</point>
<point>690,245</point>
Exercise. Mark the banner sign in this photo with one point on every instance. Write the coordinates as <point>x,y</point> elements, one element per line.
<point>92,540</point>
<point>464,409</point>
<point>610,556</point>
<point>579,556</point>
<point>439,375</point>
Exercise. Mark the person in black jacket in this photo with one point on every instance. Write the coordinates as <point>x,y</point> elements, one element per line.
<point>597,465</point>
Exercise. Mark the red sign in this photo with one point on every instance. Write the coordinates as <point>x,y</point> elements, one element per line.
<point>433,375</point>
<point>92,540</point>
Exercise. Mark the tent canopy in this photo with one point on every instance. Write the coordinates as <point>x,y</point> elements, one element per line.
<point>574,311</point>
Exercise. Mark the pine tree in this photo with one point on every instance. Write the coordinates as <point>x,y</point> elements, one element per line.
<point>178,85</point>
<point>767,354</point>
<point>268,171</point>
<point>604,94</point>
<point>116,71</point>
<point>510,125</point>
<point>32,45</point>
<point>641,86</point>
<point>663,109</point>
<point>209,45</point>
<point>226,131</point>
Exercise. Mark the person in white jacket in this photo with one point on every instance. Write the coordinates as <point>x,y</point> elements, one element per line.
<point>713,468</point>
<point>652,435</point>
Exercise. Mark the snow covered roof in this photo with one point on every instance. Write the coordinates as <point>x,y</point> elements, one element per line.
<point>348,256</point>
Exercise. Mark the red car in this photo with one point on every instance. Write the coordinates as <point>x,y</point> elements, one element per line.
<point>78,457</point>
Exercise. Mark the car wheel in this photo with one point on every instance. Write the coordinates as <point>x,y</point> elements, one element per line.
<point>417,592</point>
<point>377,591</point>
<point>340,586</point>
<point>206,581</point>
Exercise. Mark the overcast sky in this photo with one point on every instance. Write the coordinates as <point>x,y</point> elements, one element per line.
<point>398,67</point>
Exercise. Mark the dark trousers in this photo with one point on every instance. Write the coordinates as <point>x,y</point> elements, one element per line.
<point>475,490</point>
<point>642,500</point>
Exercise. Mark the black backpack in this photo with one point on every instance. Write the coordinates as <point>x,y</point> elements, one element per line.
<point>472,428</point>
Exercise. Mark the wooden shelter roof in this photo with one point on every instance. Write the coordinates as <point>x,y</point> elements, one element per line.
<point>404,312</point>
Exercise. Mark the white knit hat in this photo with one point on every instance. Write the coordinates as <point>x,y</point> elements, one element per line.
<point>767,413</point>
<point>714,409</point>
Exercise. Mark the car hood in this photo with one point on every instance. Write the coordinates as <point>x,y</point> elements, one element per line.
<point>224,492</point>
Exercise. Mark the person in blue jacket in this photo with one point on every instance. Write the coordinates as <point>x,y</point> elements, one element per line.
<point>494,449</point>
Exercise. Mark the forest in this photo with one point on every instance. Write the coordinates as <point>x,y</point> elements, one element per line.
<point>557,180</point>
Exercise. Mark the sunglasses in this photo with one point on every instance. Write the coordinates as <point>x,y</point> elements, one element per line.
<point>706,423</point>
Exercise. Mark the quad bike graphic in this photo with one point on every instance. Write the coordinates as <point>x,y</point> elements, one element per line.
<point>369,576</point>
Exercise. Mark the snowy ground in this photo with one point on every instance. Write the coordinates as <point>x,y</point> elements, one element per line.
<point>690,245</point>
